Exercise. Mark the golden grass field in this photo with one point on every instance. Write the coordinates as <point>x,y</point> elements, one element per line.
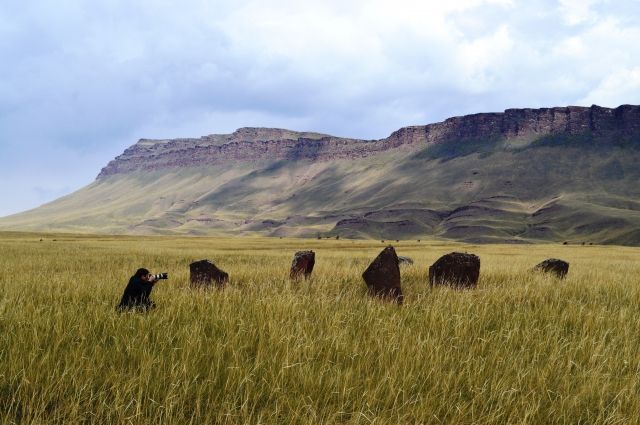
<point>521,348</point>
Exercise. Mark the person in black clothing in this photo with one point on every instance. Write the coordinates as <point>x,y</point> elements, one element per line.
<point>136,294</point>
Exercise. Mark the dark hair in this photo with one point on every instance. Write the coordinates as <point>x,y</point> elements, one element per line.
<point>141,272</point>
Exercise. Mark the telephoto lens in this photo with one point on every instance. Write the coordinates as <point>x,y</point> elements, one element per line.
<point>161,276</point>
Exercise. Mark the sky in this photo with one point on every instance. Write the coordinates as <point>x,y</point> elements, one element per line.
<point>81,80</point>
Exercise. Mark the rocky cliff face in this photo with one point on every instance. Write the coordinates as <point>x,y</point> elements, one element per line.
<point>255,144</point>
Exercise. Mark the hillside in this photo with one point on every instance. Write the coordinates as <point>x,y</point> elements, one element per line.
<point>553,174</point>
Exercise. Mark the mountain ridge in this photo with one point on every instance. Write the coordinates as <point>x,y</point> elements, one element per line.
<point>255,143</point>
<point>525,175</point>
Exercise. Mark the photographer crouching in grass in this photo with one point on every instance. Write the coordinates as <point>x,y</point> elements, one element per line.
<point>136,294</point>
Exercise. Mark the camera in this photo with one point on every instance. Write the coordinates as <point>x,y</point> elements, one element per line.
<point>161,276</point>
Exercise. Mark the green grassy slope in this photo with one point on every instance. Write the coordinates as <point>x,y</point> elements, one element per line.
<point>484,191</point>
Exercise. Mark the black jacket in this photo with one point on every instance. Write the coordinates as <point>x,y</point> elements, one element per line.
<point>136,295</point>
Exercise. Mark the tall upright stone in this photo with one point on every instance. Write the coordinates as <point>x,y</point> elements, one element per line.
<point>205,274</point>
<point>383,276</point>
<point>457,269</point>
<point>302,265</point>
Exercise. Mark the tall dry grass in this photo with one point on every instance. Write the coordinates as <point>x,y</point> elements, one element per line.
<point>522,348</point>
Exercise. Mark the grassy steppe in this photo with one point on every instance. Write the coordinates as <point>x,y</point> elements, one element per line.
<point>522,348</point>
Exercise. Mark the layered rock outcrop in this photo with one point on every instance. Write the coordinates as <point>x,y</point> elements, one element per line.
<point>256,144</point>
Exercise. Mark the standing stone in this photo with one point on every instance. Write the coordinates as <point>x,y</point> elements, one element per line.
<point>383,276</point>
<point>553,265</point>
<point>303,262</point>
<point>205,273</point>
<point>456,269</point>
<point>402,260</point>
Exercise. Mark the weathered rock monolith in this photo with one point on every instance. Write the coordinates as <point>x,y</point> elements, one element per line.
<point>204,274</point>
<point>302,265</point>
<point>456,269</point>
<point>552,265</point>
<point>383,276</point>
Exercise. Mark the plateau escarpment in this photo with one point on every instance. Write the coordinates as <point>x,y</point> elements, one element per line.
<point>254,144</point>
<point>552,174</point>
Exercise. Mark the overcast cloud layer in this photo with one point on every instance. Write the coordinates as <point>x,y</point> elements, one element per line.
<point>82,80</point>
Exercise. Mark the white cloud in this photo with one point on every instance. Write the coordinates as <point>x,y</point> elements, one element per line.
<point>571,47</point>
<point>482,60</point>
<point>89,77</point>
<point>620,87</point>
<point>576,12</point>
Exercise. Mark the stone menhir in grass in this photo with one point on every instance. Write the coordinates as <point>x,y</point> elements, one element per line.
<point>402,260</point>
<point>554,266</point>
<point>383,276</point>
<point>204,274</point>
<point>456,269</point>
<point>302,265</point>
